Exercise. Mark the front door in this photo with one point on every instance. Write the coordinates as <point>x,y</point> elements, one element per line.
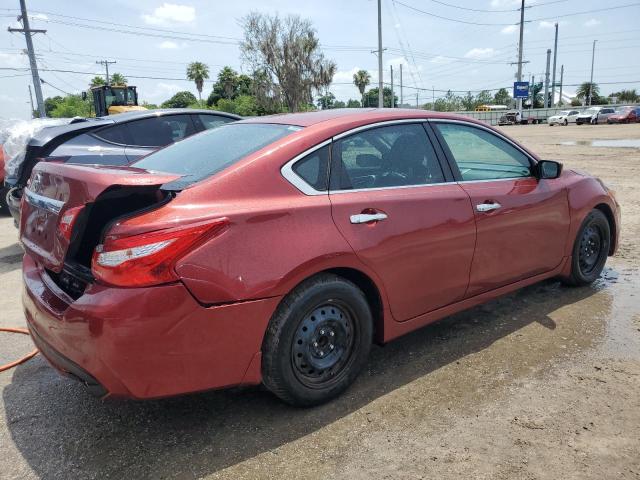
<point>522,222</point>
<point>392,203</point>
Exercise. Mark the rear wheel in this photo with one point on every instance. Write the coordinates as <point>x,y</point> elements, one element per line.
<point>590,249</point>
<point>318,341</point>
<point>566,122</point>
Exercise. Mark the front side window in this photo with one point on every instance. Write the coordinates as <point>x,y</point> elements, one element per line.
<point>482,155</point>
<point>211,151</point>
<point>393,156</point>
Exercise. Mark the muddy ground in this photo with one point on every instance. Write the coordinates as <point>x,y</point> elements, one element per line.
<point>541,384</point>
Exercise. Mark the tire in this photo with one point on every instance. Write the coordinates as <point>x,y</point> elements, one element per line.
<point>566,122</point>
<point>317,342</point>
<point>4,208</point>
<point>590,249</point>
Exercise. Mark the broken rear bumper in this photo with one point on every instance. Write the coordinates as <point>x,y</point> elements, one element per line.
<point>144,342</point>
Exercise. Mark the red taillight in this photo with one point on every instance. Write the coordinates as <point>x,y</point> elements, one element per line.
<point>65,226</point>
<point>149,258</point>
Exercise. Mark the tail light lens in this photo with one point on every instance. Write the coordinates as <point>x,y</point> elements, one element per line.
<point>149,258</point>
<point>65,226</point>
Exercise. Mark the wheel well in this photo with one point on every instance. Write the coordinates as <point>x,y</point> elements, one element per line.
<point>370,290</point>
<point>604,208</point>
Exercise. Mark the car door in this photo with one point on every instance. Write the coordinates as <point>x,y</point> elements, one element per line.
<point>403,215</point>
<point>571,118</point>
<point>604,114</point>
<point>149,134</point>
<point>522,222</point>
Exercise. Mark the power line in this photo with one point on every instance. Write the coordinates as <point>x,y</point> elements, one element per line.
<point>614,7</point>
<point>447,18</point>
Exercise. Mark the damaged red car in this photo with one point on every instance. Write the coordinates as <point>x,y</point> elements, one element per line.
<point>278,249</point>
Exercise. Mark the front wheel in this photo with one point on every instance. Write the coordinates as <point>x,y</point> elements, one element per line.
<point>317,342</point>
<point>566,122</point>
<point>590,249</point>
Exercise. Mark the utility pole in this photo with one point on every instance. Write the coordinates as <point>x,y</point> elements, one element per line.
<point>380,83</point>
<point>106,64</point>
<point>433,96</point>
<point>546,79</point>
<point>533,90</point>
<point>593,55</point>
<point>32,55</point>
<point>392,102</point>
<point>401,97</point>
<point>31,100</point>
<point>520,53</point>
<point>553,78</point>
<point>561,78</point>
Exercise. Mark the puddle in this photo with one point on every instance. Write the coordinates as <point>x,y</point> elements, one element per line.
<point>623,143</point>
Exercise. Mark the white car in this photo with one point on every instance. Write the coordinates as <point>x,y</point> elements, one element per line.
<point>565,117</point>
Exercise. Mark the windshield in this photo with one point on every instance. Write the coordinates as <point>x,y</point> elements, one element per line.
<point>592,110</point>
<point>623,109</point>
<point>211,151</point>
<point>564,112</point>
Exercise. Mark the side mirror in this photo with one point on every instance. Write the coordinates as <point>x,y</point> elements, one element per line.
<point>84,95</point>
<point>549,169</point>
<point>368,160</point>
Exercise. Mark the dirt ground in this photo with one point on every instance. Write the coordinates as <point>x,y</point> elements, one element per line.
<point>541,384</point>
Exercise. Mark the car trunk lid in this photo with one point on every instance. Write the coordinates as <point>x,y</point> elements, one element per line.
<point>56,190</point>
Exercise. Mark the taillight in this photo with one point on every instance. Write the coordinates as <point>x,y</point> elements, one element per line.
<point>149,258</point>
<point>68,220</point>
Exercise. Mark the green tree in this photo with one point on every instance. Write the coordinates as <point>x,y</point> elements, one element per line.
<point>484,98</point>
<point>51,103</point>
<point>468,101</point>
<point>118,79</point>
<point>287,52</point>
<point>326,101</point>
<point>371,97</point>
<point>626,95</point>
<point>588,91</point>
<point>198,72</point>
<point>339,104</point>
<point>353,103</point>
<point>502,97</point>
<point>71,106</point>
<point>575,102</point>
<point>361,79</point>
<point>180,100</point>
<point>150,106</point>
<point>97,81</point>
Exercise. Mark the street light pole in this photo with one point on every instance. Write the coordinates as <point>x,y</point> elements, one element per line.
<point>553,77</point>
<point>520,52</point>
<point>593,55</point>
<point>380,83</point>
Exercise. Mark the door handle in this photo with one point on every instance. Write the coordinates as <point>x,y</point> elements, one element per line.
<point>368,217</point>
<point>487,207</point>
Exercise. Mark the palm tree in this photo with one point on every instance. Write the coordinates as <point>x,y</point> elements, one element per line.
<point>588,91</point>
<point>198,72</point>
<point>97,81</point>
<point>361,79</point>
<point>118,79</point>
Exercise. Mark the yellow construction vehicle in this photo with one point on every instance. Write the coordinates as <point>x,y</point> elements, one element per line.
<point>112,99</point>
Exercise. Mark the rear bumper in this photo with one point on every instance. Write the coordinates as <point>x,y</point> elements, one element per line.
<point>144,342</point>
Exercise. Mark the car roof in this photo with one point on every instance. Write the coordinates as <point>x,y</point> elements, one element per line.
<point>352,115</point>
<point>158,112</point>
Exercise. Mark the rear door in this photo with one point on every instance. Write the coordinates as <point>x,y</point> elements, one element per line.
<point>149,134</point>
<point>522,222</point>
<point>403,215</point>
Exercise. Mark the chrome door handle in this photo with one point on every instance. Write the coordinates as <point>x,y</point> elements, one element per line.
<point>368,217</point>
<point>487,207</point>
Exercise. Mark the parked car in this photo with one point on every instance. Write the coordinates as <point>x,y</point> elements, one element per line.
<point>594,115</point>
<point>277,249</point>
<point>115,140</point>
<point>511,118</point>
<point>625,115</point>
<point>565,117</point>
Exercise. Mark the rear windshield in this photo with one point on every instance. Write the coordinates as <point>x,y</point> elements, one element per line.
<point>211,151</point>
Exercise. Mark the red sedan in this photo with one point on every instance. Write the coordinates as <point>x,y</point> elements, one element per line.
<point>277,249</point>
<point>625,115</point>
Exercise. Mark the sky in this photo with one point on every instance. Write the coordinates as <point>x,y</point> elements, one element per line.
<point>442,44</point>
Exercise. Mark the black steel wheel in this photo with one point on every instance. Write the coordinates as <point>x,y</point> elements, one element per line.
<point>590,249</point>
<point>317,341</point>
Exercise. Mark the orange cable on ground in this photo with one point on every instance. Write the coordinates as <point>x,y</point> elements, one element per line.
<point>24,331</point>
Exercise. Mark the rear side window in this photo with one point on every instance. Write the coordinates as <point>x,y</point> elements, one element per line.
<point>211,151</point>
<point>114,134</point>
<point>159,131</point>
<point>313,168</point>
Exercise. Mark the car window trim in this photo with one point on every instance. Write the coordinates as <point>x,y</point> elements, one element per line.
<point>297,181</point>
<point>454,165</point>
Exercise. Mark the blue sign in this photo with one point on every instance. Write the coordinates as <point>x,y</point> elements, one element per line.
<point>520,89</point>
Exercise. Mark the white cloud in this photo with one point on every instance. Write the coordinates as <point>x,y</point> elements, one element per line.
<point>168,45</point>
<point>342,76</point>
<point>509,29</point>
<point>163,91</point>
<point>545,24</point>
<point>38,16</point>
<point>480,53</point>
<point>440,60</point>
<point>171,13</point>
<point>13,60</point>
<point>592,22</point>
